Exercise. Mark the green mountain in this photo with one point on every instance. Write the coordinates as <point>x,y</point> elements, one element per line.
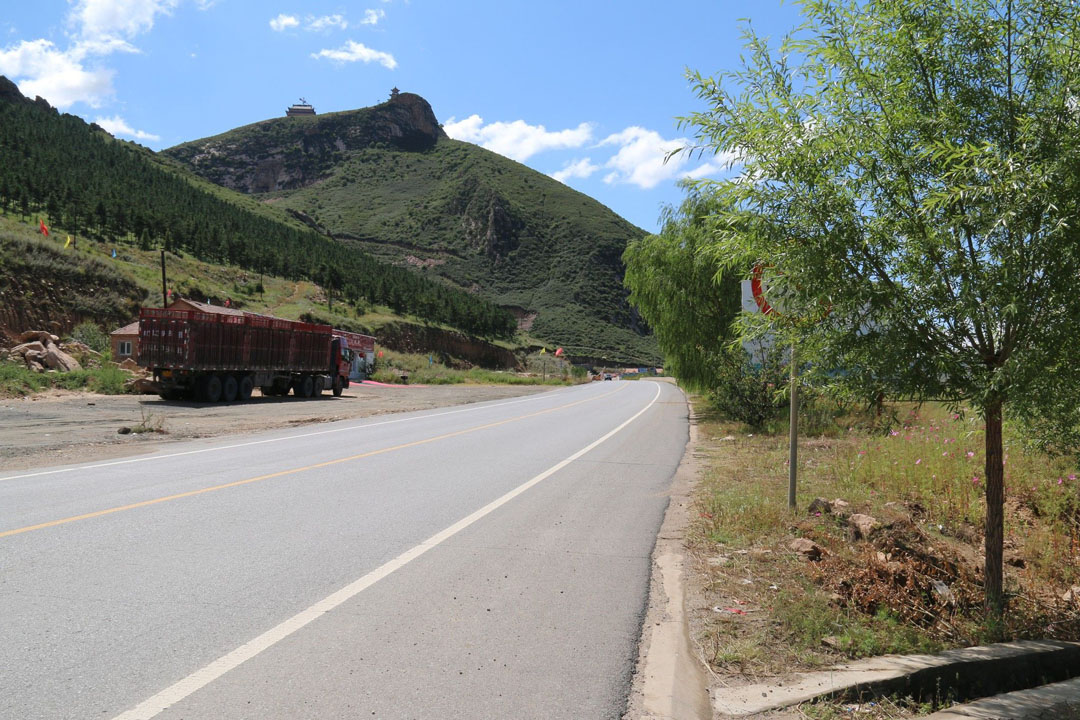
<point>386,180</point>
<point>82,181</point>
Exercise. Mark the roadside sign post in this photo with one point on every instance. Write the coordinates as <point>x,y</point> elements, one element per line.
<point>793,390</point>
<point>793,433</point>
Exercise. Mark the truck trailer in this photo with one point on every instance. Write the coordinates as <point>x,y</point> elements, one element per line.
<point>214,357</point>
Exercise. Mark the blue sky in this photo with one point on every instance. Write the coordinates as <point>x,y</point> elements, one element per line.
<point>587,92</point>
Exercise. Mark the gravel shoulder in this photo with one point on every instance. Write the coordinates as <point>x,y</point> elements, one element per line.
<point>61,427</point>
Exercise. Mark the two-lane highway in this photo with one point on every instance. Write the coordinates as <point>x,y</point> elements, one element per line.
<point>486,561</point>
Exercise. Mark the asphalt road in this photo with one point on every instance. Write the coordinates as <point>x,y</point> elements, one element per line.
<point>490,561</point>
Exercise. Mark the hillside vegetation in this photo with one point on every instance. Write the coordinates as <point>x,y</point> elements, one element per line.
<point>388,181</point>
<point>83,182</point>
<point>47,288</point>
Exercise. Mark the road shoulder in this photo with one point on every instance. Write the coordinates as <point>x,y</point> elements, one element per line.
<point>670,679</point>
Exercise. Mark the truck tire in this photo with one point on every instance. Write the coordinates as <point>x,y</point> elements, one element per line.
<point>337,386</point>
<point>303,387</point>
<point>318,384</point>
<point>229,388</point>
<point>208,389</point>
<point>246,386</point>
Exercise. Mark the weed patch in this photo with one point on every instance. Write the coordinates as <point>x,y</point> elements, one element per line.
<point>913,582</point>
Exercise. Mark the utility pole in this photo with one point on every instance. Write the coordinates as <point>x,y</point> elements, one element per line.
<point>164,288</point>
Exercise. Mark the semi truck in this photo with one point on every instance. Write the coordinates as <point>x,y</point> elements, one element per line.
<point>212,357</point>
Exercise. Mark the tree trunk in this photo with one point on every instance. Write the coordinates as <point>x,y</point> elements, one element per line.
<point>995,511</point>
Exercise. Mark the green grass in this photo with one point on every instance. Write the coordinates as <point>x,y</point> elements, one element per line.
<point>16,380</point>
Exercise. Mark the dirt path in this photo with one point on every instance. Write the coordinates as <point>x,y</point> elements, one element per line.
<point>62,427</point>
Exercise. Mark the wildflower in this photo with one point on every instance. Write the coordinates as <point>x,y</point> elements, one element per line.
<point>1072,477</point>
<point>970,454</point>
<point>1059,481</point>
<point>862,452</point>
<point>919,461</point>
<point>975,480</point>
<point>945,454</point>
<point>894,433</point>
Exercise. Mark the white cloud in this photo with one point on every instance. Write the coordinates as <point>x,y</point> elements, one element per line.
<point>116,125</point>
<point>326,22</point>
<point>39,68</point>
<point>99,28</point>
<point>640,159</point>
<point>372,17</point>
<point>517,140</point>
<point>282,22</point>
<point>354,52</point>
<point>101,19</point>
<point>582,168</point>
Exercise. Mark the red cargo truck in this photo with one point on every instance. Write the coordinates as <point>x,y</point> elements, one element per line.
<point>212,356</point>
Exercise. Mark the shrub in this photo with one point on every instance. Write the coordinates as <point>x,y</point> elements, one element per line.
<point>92,336</point>
<point>749,391</point>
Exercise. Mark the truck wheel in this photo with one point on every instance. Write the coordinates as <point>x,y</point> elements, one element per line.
<point>229,388</point>
<point>317,386</point>
<point>337,386</point>
<point>303,387</point>
<point>246,386</point>
<point>208,389</point>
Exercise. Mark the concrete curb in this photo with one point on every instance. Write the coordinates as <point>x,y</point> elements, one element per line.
<point>669,681</point>
<point>951,675</point>
<point>1060,701</point>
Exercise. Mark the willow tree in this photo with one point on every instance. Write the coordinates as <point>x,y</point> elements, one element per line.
<point>913,167</point>
<point>673,284</point>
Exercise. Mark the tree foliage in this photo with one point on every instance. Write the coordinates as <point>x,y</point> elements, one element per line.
<point>914,167</point>
<point>674,285</point>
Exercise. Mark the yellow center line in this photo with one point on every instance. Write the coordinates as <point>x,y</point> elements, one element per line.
<point>248,481</point>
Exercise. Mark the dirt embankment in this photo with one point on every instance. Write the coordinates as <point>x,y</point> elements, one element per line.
<point>409,338</point>
<point>61,427</point>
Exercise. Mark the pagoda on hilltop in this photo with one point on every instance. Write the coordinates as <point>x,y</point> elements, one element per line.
<point>300,108</point>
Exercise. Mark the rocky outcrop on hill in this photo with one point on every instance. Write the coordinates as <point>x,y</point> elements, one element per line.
<point>294,152</point>
<point>487,221</point>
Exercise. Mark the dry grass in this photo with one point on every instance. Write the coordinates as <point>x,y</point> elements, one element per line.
<point>915,584</point>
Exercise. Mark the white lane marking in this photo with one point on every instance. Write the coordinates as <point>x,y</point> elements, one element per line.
<point>201,678</point>
<point>147,458</point>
